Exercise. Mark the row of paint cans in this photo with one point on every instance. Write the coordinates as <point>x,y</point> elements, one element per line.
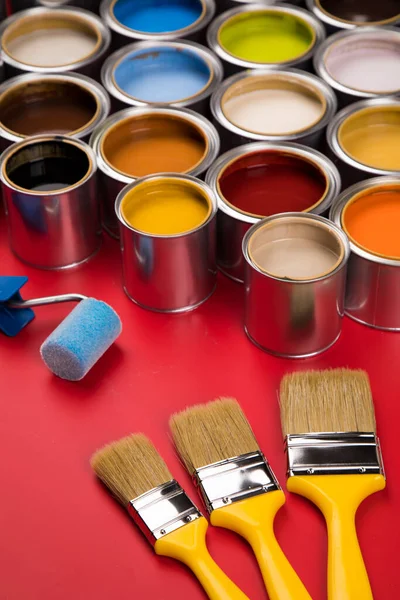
<point>255,36</point>
<point>142,141</point>
<point>49,40</point>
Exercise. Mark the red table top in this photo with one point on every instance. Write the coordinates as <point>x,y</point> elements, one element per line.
<point>62,536</point>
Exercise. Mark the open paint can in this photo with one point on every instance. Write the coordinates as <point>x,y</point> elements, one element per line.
<point>136,142</point>
<point>342,14</point>
<point>167,225</point>
<point>295,284</point>
<point>273,106</point>
<point>361,63</point>
<point>16,5</point>
<point>50,196</point>
<point>369,213</point>
<point>178,73</point>
<point>156,20</point>
<point>255,36</point>
<point>48,40</point>
<point>258,180</point>
<point>364,139</point>
<point>37,103</point>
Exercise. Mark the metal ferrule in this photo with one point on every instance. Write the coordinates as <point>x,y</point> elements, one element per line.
<point>334,454</point>
<point>333,23</point>
<point>235,479</point>
<point>162,510</point>
<point>232,64</point>
<point>351,170</point>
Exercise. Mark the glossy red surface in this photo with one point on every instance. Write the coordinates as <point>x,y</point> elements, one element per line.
<point>62,536</point>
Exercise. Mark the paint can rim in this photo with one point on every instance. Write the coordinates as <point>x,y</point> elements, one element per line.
<point>329,19</point>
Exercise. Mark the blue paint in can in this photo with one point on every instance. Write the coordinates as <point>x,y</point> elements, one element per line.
<point>162,74</point>
<point>157,16</point>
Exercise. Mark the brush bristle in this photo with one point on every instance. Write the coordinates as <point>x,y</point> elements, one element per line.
<point>130,467</point>
<point>208,433</point>
<point>336,400</point>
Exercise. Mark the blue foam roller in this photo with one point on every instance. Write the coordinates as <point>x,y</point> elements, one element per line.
<point>81,339</point>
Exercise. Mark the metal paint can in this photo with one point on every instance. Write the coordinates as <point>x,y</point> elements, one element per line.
<point>273,90</point>
<point>38,103</point>
<point>361,63</point>
<point>341,14</point>
<point>50,197</point>
<point>178,73</point>
<point>53,33</point>
<point>167,272</point>
<point>373,280</point>
<point>241,39</point>
<point>288,312</point>
<point>153,125</point>
<point>16,5</point>
<point>364,139</point>
<point>275,178</point>
<point>164,20</point>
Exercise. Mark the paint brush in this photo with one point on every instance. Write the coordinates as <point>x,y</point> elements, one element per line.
<point>238,487</point>
<point>334,460</point>
<point>138,477</point>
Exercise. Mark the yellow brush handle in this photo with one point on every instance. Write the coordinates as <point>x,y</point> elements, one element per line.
<point>188,545</point>
<point>338,497</point>
<point>253,519</point>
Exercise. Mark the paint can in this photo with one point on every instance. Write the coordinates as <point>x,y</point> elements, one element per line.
<point>273,106</point>
<point>294,284</point>
<point>255,36</point>
<point>141,141</point>
<point>258,180</point>
<point>364,139</point>
<point>16,5</point>
<point>50,197</point>
<point>178,73</point>
<point>38,103</point>
<point>361,63</point>
<point>164,20</point>
<point>369,212</point>
<point>342,14</point>
<point>54,40</point>
<point>167,225</point>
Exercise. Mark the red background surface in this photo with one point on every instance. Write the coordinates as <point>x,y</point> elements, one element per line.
<point>62,536</point>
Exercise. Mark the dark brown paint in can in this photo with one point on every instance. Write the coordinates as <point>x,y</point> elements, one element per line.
<point>361,11</point>
<point>47,106</point>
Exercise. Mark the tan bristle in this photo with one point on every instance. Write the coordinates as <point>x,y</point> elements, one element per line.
<point>207,433</point>
<point>335,400</point>
<point>130,467</point>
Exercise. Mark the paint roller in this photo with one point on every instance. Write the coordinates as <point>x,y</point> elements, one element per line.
<point>77,343</point>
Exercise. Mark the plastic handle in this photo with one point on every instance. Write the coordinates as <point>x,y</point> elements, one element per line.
<point>338,497</point>
<point>188,545</point>
<point>253,519</point>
